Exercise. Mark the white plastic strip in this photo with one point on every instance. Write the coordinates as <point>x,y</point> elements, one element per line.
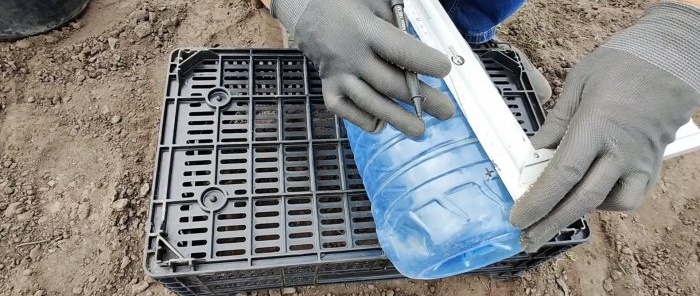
<point>504,141</point>
<point>494,125</point>
<point>687,140</point>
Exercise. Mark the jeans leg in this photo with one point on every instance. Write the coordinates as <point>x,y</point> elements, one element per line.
<point>477,19</point>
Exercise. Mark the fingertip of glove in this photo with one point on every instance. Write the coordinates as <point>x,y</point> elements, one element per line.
<point>444,67</point>
<point>437,103</point>
<point>516,217</point>
<point>372,126</point>
<point>415,130</point>
<point>434,63</point>
<point>529,245</point>
<point>447,112</point>
<point>531,242</point>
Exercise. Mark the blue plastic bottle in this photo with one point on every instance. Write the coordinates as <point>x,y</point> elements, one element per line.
<point>439,207</point>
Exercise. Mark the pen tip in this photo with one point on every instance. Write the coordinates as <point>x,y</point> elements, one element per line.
<point>419,108</point>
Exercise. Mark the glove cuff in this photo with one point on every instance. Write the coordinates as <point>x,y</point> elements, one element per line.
<point>288,12</point>
<point>668,36</point>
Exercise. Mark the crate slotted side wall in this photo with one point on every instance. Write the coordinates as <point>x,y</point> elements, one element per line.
<point>291,208</point>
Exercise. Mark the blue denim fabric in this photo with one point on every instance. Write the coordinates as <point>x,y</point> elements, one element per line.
<point>477,19</point>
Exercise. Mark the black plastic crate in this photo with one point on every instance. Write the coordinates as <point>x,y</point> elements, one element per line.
<point>255,185</point>
<point>513,83</point>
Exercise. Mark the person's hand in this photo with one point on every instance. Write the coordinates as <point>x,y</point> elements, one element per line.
<point>620,108</point>
<point>360,56</point>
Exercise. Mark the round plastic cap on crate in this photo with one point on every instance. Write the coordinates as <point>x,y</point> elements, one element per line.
<point>218,97</point>
<point>213,199</point>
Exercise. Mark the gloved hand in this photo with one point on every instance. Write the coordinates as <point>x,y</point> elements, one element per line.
<point>620,108</point>
<point>360,54</point>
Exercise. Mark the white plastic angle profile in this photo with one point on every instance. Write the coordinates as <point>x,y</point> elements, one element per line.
<point>508,147</point>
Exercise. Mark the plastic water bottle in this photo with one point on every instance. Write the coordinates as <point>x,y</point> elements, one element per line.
<point>439,207</point>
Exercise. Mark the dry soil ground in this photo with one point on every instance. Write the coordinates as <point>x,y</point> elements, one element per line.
<point>79,111</point>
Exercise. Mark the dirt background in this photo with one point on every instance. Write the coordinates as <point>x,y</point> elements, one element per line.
<point>79,111</point>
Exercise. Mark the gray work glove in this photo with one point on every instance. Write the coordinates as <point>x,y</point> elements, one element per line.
<point>360,56</point>
<point>620,108</point>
